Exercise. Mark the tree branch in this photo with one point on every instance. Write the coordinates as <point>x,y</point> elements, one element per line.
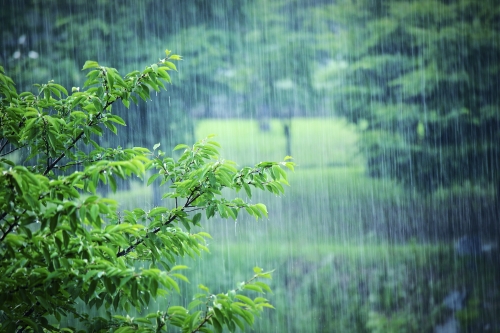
<point>4,144</point>
<point>138,242</point>
<point>205,320</point>
<point>11,151</point>
<point>78,137</point>
<point>11,226</point>
<point>26,314</point>
<point>171,219</point>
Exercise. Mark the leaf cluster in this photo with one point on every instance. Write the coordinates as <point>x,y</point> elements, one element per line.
<point>208,312</point>
<point>61,243</point>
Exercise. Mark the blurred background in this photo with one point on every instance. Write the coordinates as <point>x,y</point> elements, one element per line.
<point>390,109</point>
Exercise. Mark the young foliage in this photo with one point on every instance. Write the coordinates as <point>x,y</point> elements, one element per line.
<point>61,243</point>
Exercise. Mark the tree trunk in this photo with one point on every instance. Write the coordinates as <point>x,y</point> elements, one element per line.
<point>288,139</point>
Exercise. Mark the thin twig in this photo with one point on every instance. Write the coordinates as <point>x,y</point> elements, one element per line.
<point>138,242</point>
<point>4,144</point>
<point>11,226</point>
<point>13,150</point>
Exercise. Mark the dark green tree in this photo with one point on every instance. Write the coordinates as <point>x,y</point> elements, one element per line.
<point>422,79</point>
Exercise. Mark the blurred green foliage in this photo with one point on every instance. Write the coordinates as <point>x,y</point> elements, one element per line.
<point>421,77</point>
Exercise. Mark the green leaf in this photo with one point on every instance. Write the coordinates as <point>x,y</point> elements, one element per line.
<point>194,304</point>
<point>171,283</point>
<point>31,323</point>
<point>204,234</point>
<point>217,325</point>
<point>257,270</point>
<point>262,208</point>
<point>143,321</point>
<point>153,178</point>
<point>253,288</point>
<point>181,146</point>
<point>245,300</point>
<point>192,319</point>
<point>90,64</point>
<point>60,88</point>
<point>65,238</point>
<point>196,218</point>
<point>247,189</point>
<point>202,287</point>
<point>125,329</point>
<point>180,277</point>
<point>179,267</point>
<point>264,286</point>
<point>109,251</point>
<point>158,210</point>
<point>239,323</point>
<point>170,65</point>
<point>210,211</point>
<point>116,119</point>
<point>110,78</point>
<point>126,102</point>
<point>53,222</point>
<point>112,183</point>
<point>177,309</point>
<point>153,287</point>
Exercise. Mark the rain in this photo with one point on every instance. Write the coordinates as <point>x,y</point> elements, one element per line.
<point>389,108</point>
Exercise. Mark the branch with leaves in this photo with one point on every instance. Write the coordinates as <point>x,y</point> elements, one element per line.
<point>61,243</point>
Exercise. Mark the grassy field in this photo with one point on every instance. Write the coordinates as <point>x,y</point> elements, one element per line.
<point>315,142</point>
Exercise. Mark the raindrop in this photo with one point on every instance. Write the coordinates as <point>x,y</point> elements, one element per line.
<point>33,54</point>
<point>21,40</point>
